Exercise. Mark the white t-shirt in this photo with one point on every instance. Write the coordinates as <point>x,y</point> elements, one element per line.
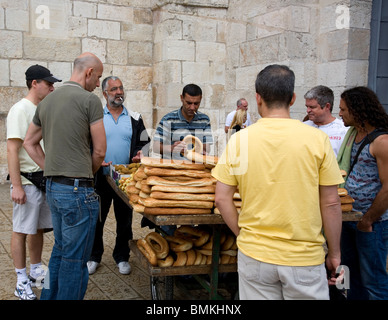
<point>18,120</point>
<point>336,131</point>
<point>230,116</point>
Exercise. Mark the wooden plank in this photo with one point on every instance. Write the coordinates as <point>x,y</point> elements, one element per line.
<point>351,216</point>
<point>118,191</point>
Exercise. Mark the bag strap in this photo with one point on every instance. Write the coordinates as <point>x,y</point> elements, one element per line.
<point>368,139</point>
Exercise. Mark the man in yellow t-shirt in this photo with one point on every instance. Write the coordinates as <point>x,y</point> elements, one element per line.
<point>287,176</point>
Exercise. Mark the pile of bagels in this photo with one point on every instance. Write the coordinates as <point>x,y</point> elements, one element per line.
<point>346,199</point>
<point>189,246</point>
<point>167,186</point>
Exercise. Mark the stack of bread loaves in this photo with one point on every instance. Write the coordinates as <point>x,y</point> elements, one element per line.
<point>163,186</point>
<point>236,200</point>
<point>346,199</point>
<point>188,247</point>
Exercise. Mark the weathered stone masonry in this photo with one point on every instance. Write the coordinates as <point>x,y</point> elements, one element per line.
<point>158,46</point>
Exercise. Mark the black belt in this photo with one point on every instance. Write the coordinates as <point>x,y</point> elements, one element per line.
<point>82,182</point>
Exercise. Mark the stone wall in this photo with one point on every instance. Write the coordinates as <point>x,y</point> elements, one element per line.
<point>158,46</point>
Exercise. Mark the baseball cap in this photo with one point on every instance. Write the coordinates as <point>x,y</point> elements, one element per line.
<point>38,72</point>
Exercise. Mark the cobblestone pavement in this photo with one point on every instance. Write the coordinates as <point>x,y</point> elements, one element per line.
<point>106,284</point>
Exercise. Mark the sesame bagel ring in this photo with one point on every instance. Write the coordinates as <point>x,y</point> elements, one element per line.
<point>180,260</point>
<point>147,251</point>
<point>167,262</point>
<point>158,244</point>
<point>178,244</point>
<point>200,236</point>
<point>195,142</point>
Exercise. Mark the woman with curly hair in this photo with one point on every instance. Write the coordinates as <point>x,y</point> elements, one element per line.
<point>364,244</point>
<point>365,107</point>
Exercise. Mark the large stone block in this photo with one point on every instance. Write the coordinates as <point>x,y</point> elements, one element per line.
<point>142,16</point>
<point>167,72</point>
<point>115,13</point>
<point>16,19</point>
<point>117,52</point>
<point>178,50</point>
<point>260,51</point>
<point>136,32</point>
<point>210,51</point>
<point>51,49</point>
<point>78,27</point>
<point>2,20</point>
<point>9,96</point>
<point>4,74</point>
<point>13,41</point>
<point>169,29</point>
<point>140,53</point>
<point>98,47</point>
<point>195,72</point>
<point>84,9</point>
<point>104,29</point>
<point>199,29</point>
<point>135,78</point>
<point>334,45</point>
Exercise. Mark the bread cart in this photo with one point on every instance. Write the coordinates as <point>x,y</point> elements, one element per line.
<point>161,279</point>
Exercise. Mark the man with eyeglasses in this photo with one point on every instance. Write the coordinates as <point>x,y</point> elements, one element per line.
<point>126,136</point>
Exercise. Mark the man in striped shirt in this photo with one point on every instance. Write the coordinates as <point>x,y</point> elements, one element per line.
<point>187,120</point>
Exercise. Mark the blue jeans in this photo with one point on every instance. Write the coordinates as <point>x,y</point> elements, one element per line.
<point>365,254</point>
<point>74,214</point>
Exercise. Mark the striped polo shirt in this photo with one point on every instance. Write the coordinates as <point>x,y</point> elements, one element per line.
<point>174,127</point>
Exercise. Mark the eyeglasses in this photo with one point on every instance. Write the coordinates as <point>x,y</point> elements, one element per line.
<point>113,89</point>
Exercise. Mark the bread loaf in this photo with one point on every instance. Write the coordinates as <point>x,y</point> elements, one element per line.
<point>170,163</point>
<point>346,207</point>
<point>167,211</point>
<point>185,189</point>
<point>200,158</point>
<point>150,202</point>
<point>346,199</point>
<point>182,196</point>
<point>154,180</point>
<point>161,172</point>
<point>342,192</point>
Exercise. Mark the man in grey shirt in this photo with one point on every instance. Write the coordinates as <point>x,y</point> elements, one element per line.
<point>71,123</point>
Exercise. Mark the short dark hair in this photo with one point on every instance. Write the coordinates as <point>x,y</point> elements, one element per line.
<point>322,94</point>
<point>275,84</point>
<point>192,90</point>
<point>29,83</point>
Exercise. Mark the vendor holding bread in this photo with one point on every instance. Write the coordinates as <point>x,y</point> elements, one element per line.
<point>187,120</point>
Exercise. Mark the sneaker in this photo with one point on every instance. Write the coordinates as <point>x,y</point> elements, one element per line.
<point>24,292</point>
<point>124,267</point>
<point>39,276</point>
<point>92,266</point>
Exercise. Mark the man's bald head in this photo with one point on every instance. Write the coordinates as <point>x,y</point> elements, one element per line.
<point>87,71</point>
<point>86,60</point>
